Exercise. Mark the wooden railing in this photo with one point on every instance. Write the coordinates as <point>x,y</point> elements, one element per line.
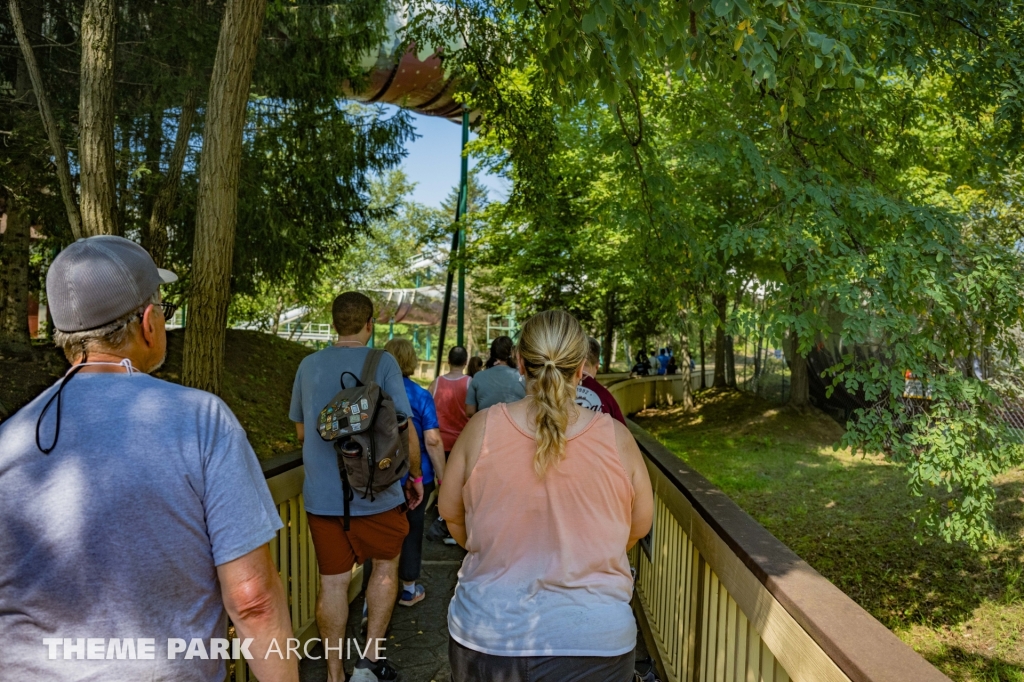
<point>634,395</point>
<point>293,553</point>
<point>720,599</point>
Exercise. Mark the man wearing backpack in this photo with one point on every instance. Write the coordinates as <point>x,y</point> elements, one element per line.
<point>377,523</point>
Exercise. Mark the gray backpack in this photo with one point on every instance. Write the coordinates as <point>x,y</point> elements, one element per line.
<point>369,436</point>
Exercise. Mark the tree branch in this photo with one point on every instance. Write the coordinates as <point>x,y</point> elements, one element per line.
<point>167,195</point>
<point>49,122</point>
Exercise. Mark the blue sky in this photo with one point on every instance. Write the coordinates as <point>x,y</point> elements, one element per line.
<point>433,161</point>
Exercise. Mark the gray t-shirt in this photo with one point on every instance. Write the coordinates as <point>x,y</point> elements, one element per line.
<point>499,384</point>
<point>317,381</point>
<point>118,531</point>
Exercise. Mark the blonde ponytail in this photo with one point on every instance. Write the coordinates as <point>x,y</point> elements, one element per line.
<point>552,346</point>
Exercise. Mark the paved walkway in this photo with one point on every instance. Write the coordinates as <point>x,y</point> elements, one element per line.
<point>418,638</point>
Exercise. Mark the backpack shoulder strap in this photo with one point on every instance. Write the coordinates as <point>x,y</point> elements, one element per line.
<point>370,366</point>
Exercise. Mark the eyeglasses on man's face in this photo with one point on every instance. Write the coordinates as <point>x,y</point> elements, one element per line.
<point>168,309</point>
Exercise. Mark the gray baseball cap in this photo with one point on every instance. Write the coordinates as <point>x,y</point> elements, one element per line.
<point>98,279</point>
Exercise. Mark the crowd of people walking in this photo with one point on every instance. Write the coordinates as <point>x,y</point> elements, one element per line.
<point>133,509</point>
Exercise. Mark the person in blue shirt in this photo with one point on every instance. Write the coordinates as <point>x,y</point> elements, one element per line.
<point>424,418</point>
<point>663,358</point>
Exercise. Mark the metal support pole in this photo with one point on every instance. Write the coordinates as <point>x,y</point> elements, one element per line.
<point>459,216</point>
<point>457,241</point>
<point>391,328</point>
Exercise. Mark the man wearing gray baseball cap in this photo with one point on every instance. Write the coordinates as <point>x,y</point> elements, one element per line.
<point>134,517</point>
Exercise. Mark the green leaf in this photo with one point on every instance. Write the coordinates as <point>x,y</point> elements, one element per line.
<point>827,44</point>
<point>589,22</point>
<point>723,7</point>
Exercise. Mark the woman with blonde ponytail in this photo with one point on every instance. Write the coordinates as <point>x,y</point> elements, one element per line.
<point>547,497</point>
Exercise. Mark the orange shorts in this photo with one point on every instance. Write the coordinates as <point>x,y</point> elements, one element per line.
<point>378,536</point>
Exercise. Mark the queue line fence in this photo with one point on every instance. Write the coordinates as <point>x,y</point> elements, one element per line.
<point>720,599</point>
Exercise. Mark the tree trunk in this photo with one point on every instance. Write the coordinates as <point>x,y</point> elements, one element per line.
<point>730,361</point>
<point>96,117</point>
<point>155,239</point>
<point>609,330</point>
<point>799,385</point>
<point>14,334</point>
<point>703,364</point>
<point>719,301</point>
<point>615,348</point>
<point>684,369</point>
<point>60,155</point>
<point>217,199</point>
<point>757,357</point>
<point>151,132</point>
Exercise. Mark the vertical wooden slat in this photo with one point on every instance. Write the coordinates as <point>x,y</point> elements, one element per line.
<point>722,634</point>
<point>662,566</point>
<point>303,567</point>
<point>741,647</point>
<point>696,573</point>
<point>284,551</point>
<point>655,560</point>
<point>780,674</point>
<point>767,664</point>
<point>293,546</point>
<point>675,629</point>
<point>753,654</point>
<point>711,629</point>
<point>684,609</point>
<point>241,671</point>
<point>730,646</point>
<point>314,576</point>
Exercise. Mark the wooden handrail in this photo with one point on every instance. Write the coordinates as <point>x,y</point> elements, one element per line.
<point>280,464</point>
<point>738,550</point>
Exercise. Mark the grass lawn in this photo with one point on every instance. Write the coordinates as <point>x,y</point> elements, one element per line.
<point>850,517</point>
<point>259,370</point>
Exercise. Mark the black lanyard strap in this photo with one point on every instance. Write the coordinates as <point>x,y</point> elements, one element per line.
<point>58,396</point>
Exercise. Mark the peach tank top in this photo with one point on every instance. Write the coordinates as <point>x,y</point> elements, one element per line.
<point>546,573</point>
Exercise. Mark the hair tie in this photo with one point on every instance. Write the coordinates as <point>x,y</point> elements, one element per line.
<point>550,362</point>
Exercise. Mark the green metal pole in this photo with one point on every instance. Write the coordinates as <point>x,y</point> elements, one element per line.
<point>457,242</point>
<point>460,215</point>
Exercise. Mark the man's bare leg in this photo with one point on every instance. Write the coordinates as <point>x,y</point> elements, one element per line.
<point>331,618</point>
<point>381,594</point>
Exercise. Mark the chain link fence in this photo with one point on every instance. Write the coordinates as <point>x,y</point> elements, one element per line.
<point>761,368</point>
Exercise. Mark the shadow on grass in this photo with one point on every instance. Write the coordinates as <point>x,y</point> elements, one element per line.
<point>961,664</point>
<point>850,517</point>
